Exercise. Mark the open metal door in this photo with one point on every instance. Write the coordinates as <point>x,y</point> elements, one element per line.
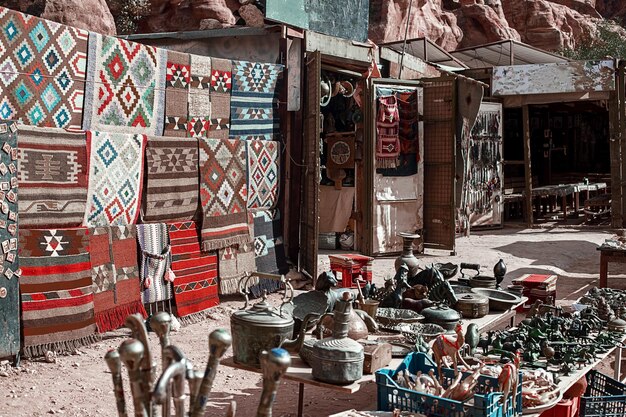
<point>309,226</point>
<point>394,200</point>
<point>439,162</point>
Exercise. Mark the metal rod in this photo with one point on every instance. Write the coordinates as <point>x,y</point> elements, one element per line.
<point>114,363</point>
<point>161,324</point>
<point>219,342</point>
<point>406,32</point>
<point>137,326</point>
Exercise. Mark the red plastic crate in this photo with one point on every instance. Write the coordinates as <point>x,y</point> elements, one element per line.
<point>564,408</point>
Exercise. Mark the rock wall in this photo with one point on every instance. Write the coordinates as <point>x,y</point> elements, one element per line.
<point>92,15</point>
<point>547,24</point>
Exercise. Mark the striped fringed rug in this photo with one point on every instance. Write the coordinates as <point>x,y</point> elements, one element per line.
<point>155,261</point>
<point>234,262</point>
<point>195,287</point>
<point>52,175</point>
<point>115,275</point>
<point>171,192</point>
<point>56,291</point>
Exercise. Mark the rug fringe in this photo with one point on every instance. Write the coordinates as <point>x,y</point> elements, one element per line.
<point>387,163</point>
<point>230,285</point>
<point>269,285</point>
<point>211,245</point>
<point>64,347</point>
<point>194,318</point>
<point>115,318</point>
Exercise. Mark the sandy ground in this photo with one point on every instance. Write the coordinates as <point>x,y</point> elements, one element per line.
<point>80,385</point>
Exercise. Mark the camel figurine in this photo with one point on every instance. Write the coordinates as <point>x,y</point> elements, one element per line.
<point>508,380</point>
<point>449,346</point>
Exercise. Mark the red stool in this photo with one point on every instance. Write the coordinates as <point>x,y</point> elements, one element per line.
<point>350,266</point>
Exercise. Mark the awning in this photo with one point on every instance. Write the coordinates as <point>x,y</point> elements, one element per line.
<point>427,51</point>
<point>505,52</point>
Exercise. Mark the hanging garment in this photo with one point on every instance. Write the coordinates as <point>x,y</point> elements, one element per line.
<point>155,263</point>
<point>387,129</point>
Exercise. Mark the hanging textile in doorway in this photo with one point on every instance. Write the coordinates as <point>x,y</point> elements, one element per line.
<point>223,193</point>
<point>115,276</point>
<point>155,262</point>
<point>234,262</point>
<point>199,98</point>
<point>408,135</point>
<point>387,132</point>
<point>254,100</point>
<point>177,78</point>
<point>56,288</point>
<point>125,86</point>
<point>172,179</point>
<point>196,285</point>
<point>269,250</point>
<point>115,178</point>
<point>42,69</point>
<point>263,173</point>
<point>221,86</point>
<point>52,175</point>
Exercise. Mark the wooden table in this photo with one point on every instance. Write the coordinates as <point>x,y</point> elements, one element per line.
<point>301,373</point>
<point>607,255</point>
<point>562,191</point>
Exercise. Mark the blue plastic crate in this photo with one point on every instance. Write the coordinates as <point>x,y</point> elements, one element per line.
<point>605,397</point>
<point>486,400</point>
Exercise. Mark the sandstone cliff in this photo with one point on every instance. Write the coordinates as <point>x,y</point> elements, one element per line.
<point>548,24</point>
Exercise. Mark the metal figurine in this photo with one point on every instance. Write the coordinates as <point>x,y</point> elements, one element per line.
<point>114,363</point>
<point>132,352</point>
<point>174,372</point>
<point>274,364</point>
<point>137,326</point>
<point>219,342</point>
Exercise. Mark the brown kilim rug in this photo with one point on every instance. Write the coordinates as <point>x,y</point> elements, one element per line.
<point>172,179</point>
<point>223,193</point>
<point>221,86</point>
<point>52,175</point>
<point>177,78</point>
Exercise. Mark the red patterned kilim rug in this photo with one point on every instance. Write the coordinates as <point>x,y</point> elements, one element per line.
<point>115,275</point>
<point>56,290</point>
<point>195,287</point>
<point>223,193</point>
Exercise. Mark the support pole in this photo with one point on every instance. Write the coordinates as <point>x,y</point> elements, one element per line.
<point>528,183</point>
<point>621,116</point>
<point>615,108</point>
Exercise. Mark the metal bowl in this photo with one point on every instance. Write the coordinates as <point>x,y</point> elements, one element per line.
<point>498,300</point>
<point>461,289</point>
<point>448,270</point>
<point>428,331</point>
<point>391,317</point>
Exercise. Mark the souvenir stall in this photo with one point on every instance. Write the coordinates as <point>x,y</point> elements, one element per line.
<point>174,176</point>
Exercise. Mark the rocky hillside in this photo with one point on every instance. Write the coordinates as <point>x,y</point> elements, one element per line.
<point>547,24</point>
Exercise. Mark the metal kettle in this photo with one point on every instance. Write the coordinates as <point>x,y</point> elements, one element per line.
<point>263,327</point>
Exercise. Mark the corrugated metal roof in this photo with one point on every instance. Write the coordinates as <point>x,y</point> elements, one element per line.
<point>427,51</point>
<point>500,53</point>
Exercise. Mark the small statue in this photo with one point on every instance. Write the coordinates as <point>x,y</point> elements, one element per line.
<point>507,382</point>
<point>463,390</point>
<point>449,346</point>
<point>472,337</point>
<point>394,299</point>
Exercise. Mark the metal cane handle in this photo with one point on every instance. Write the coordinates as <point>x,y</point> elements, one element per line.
<point>273,364</point>
<point>114,363</point>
